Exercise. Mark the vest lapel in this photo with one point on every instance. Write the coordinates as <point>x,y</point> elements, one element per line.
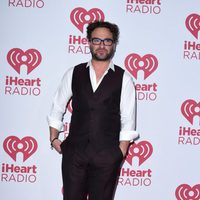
<point>88,82</point>
<point>104,83</point>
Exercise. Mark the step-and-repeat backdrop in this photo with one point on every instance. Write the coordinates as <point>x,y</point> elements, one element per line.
<point>159,46</point>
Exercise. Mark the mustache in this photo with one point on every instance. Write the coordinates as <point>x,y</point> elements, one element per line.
<point>101,48</point>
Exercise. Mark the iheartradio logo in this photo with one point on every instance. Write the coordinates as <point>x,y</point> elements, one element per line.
<point>190,109</point>
<point>13,145</point>
<point>192,23</point>
<point>143,150</point>
<point>134,63</point>
<point>186,192</point>
<point>17,57</point>
<point>79,17</point>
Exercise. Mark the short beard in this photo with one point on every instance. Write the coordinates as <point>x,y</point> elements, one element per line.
<point>108,56</point>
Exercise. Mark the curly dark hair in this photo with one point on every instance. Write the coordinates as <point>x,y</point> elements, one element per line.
<point>101,24</point>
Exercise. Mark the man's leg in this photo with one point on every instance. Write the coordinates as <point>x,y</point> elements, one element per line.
<point>103,173</point>
<point>74,172</point>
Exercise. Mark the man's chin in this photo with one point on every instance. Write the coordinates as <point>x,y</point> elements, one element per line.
<point>102,57</point>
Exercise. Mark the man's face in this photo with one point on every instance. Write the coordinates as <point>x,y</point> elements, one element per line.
<point>102,51</point>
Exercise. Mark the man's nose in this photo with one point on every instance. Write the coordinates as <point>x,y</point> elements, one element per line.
<point>102,44</point>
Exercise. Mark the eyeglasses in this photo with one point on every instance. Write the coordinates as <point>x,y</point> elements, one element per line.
<point>98,41</point>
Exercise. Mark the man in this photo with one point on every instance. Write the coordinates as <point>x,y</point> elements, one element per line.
<point>102,121</point>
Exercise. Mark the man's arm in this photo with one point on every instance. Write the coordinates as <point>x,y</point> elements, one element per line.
<point>128,113</point>
<point>55,117</point>
<point>55,142</point>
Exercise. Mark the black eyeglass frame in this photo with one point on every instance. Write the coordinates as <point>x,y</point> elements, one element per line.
<point>99,41</point>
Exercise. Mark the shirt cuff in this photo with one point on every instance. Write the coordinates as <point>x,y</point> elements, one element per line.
<point>128,135</point>
<point>54,123</point>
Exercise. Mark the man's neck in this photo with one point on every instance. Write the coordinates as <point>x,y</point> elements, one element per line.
<point>100,65</point>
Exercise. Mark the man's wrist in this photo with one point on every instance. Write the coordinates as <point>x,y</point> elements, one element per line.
<point>124,146</point>
<point>52,141</point>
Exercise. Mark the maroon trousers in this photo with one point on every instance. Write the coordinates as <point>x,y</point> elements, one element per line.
<point>88,173</point>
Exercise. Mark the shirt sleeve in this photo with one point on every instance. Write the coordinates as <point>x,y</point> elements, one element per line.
<point>128,109</point>
<point>62,96</point>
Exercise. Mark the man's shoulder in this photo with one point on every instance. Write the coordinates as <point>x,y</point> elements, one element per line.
<point>81,65</point>
<point>70,71</point>
<point>118,68</point>
<point>79,69</point>
<point>126,75</point>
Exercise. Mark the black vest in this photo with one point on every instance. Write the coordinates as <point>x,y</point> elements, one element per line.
<point>96,115</point>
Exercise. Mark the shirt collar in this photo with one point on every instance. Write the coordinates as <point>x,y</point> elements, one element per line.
<point>111,65</point>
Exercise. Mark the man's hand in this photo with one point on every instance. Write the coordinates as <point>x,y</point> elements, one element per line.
<point>123,145</point>
<point>56,145</point>
<point>55,142</point>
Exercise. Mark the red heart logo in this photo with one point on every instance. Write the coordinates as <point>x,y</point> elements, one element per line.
<point>192,23</point>
<point>186,192</point>
<point>143,150</point>
<point>148,64</point>
<point>31,58</point>
<point>189,109</point>
<point>79,17</point>
<point>27,146</point>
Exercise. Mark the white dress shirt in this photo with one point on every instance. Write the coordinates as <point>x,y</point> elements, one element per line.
<point>127,103</point>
